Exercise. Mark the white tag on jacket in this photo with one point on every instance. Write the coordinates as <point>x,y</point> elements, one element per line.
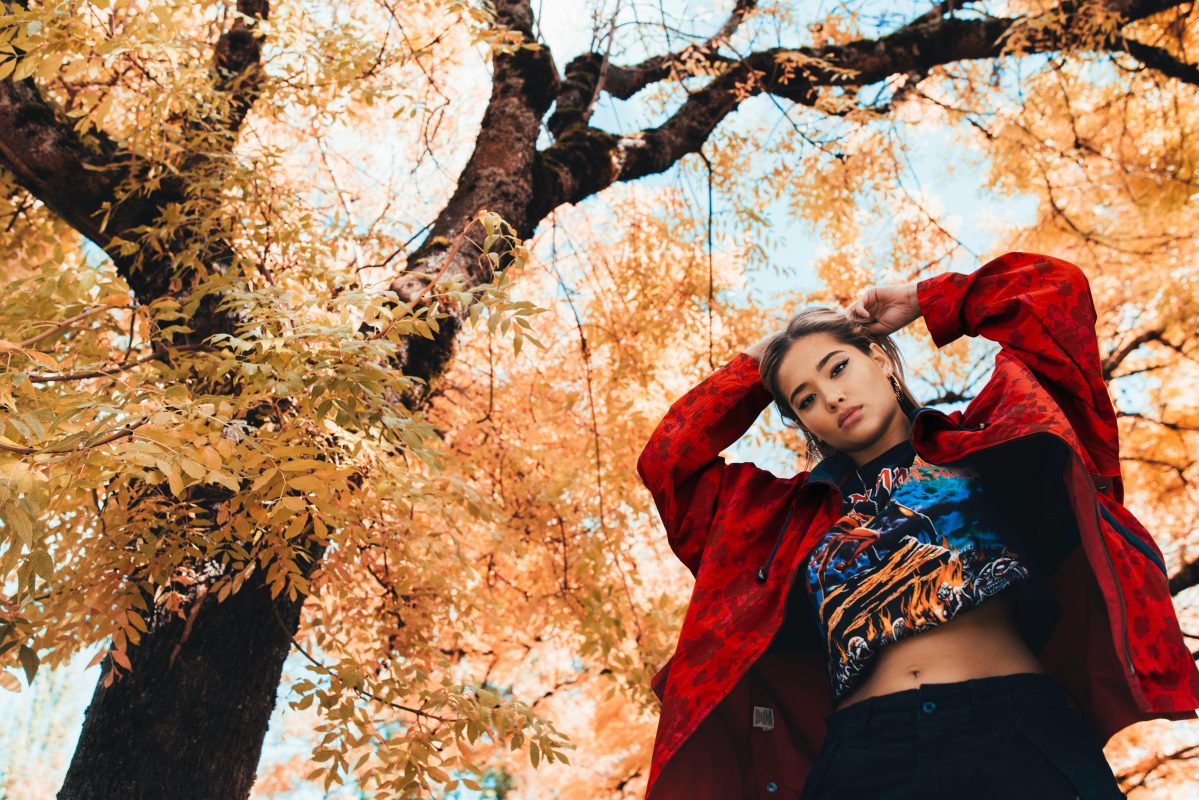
<point>764,718</point>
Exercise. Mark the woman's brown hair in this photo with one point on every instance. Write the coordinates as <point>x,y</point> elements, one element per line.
<point>821,319</point>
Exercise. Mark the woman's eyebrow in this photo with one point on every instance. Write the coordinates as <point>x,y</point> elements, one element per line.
<point>819,366</point>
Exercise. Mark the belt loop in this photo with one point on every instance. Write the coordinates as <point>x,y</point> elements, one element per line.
<point>869,715</point>
<point>978,697</point>
<point>981,704</point>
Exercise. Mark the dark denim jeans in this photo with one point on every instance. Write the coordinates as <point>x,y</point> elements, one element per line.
<point>1008,736</point>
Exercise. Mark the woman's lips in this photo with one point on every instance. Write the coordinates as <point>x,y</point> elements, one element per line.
<point>853,417</point>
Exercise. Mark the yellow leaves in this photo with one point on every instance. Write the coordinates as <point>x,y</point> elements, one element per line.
<point>20,523</point>
<point>302,464</point>
<point>41,358</point>
<point>264,479</point>
<point>97,658</point>
<point>487,697</point>
<point>136,621</point>
<point>169,439</point>
<point>194,468</point>
<point>41,564</point>
<point>295,526</point>
<point>209,456</point>
<point>164,14</point>
<point>351,676</point>
<point>228,481</point>
<point>174,479</point>
<point>293,503</point>
<point>29,662</point>
<point>308,483</point>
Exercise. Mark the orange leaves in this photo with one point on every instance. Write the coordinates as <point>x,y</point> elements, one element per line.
<point>121,658</point>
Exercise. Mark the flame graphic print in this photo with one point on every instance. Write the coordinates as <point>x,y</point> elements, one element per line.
<point>919,547</point>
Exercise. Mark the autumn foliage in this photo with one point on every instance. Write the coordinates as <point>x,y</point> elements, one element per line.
<point>216,394</point>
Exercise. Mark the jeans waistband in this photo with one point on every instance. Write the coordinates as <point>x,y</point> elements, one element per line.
<point>993,698</point>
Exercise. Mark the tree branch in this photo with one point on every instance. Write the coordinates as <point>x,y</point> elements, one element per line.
<point>1113,360</point>
<point>78,181</point>
<point>624,82</point>
<point>1158,59</point>
<point>236,61</point>
<point>1173,426</point>
<point>48,159</point>
<point>1185,578</point>
<point>497,177</point>
<point>584,160</point>
<point>588,73</point>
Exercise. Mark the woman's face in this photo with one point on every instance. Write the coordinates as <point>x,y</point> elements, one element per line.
<point>824,378</point>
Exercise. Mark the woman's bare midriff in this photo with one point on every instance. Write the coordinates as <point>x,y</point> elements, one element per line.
<point>978,643</point>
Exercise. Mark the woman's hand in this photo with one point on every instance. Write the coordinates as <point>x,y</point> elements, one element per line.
<point>885,309</point>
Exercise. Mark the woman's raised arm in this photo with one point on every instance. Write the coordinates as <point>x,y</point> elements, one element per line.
<point>681,464</point>
<point>1039,309</point>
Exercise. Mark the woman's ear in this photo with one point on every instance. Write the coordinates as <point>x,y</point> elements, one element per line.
<point>880,356</point>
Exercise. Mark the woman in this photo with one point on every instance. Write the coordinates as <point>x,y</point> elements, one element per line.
<point>947,604</point>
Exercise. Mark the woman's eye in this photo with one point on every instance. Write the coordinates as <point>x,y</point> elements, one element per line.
<point>837,370</point>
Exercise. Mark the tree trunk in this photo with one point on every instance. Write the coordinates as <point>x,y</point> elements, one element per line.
<point>190,719</point>
<point>191,725</point>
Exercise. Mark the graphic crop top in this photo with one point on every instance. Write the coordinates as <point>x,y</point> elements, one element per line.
<point>922,544</point>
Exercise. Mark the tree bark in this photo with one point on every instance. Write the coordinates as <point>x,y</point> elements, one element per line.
<point>190,719</point>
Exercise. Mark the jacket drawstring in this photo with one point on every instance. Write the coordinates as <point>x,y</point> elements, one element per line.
<point>763,569</point>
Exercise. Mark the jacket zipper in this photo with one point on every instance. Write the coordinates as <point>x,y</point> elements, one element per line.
<point>1132,669</point>
<point>761,576</point>
<point>763,569</point>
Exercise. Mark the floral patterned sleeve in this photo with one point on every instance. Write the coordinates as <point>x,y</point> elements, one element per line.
<point>1039,309</point>
<point>681,464</point>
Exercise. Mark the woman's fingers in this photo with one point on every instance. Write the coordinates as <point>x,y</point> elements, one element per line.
<point>858,313</point>
<point>865,310</point>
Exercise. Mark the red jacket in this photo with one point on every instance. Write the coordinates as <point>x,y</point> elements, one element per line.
<point>1117,645</point>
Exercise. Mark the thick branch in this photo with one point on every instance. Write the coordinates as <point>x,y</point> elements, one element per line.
<point>78,181</point>
<point>1114,360</point>
<point>1158,59</point>
<point>237,72</point>
<point>48,159</point>
<point>1185,578</point>
<point>624,82</point>
<point>585,161</point>
<point>496,178</point>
